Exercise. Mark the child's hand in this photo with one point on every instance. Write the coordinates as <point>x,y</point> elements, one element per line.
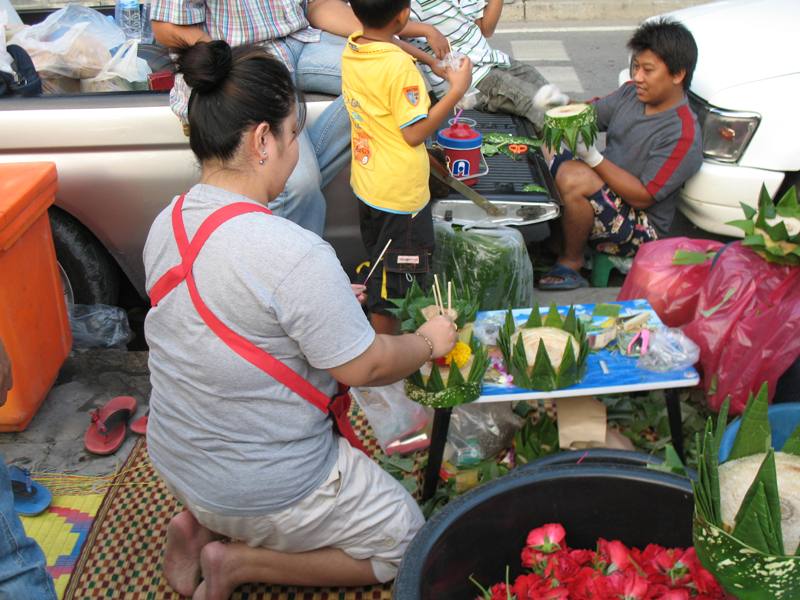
<point>437,42</point>
<point>360,292</point>
<point>460,79</point>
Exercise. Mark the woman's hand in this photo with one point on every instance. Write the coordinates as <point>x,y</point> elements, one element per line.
<point>442,333</point>
<point>360,292</point>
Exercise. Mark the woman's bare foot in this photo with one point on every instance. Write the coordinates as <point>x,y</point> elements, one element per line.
<point>217,582</point>
<point>185,539</point>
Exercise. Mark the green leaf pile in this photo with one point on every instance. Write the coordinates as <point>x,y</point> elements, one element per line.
<point>409,309</point>
<point>773,231</point>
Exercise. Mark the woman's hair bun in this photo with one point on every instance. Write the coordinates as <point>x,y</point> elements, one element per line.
<point>206,65</point>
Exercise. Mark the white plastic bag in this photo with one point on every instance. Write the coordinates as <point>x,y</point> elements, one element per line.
<point>669,350</point>
<point>72,42</point>
<point>398,422</point>
<point>125,71</point>
<point>99,326</point>
<point>5,57</point>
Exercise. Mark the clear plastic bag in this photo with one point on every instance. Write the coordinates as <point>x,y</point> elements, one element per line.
<point>99,326</point>
<point>124,72</point>
<point>73,42</point>
<point>396,421</point>
<point>492,264</point>
<point>480,431</point>
<point>5,57</point>
<point>669,350</point>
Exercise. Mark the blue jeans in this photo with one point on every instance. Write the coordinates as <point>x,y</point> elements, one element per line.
<point>324,145</point>
<point>22,562</point>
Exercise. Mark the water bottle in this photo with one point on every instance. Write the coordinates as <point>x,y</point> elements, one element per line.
<point>128,17</point>
<point>147,29</point>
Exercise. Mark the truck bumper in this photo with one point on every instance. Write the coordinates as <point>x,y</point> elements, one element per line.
<point>711,198</point>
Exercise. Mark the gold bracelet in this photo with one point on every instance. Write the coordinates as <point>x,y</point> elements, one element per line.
<point>427,341</point>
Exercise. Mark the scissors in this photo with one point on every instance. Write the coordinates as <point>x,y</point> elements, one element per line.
<point>518,148</point>
<point>640,342</point>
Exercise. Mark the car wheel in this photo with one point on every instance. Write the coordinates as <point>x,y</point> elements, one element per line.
<point>88,273</point>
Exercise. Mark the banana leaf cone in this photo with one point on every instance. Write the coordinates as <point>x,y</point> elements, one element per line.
<point>543,374</point>
<point>773,231</point>
<point>438,393</point>
<point>569,124</point>
<point>747,557</point>
<point>408,310</point>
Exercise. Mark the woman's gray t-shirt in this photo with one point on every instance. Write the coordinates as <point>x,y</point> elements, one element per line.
<point>227,436</point>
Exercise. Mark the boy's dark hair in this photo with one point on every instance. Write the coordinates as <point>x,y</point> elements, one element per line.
<point>377,13</point>
<point>671,41</point>
<point>233,89</point>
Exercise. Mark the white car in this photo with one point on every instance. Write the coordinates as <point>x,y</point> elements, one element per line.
<point>745,92</point>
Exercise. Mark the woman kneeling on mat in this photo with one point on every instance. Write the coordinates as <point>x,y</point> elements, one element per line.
<point>253,324</point>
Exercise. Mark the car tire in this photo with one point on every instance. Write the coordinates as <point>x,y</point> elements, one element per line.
<point>89,273</point>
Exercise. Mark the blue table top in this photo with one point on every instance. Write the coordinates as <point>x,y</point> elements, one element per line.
<point>623,375</point>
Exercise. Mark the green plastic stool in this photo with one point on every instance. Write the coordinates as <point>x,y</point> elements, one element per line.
<point>601,269</point>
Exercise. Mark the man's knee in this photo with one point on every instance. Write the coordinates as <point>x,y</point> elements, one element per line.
<point>576,178</point>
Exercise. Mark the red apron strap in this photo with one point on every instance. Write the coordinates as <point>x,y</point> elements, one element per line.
<point>236,342</point>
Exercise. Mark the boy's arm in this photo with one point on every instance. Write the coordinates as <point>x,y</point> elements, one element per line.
<point>333,16</point>
<point>491,16</point>
<point>460,80</point>
<point>436,40</point>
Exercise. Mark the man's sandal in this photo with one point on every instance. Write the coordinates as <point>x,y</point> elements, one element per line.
<point>570,279</point>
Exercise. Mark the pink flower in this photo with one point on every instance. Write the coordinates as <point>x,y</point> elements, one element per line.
<point>615,553</point>
<point>547,538</point>
<point>627,585</point>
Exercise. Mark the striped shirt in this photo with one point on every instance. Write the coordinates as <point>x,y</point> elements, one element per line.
<point>238,22</point>
<point>455,19</point>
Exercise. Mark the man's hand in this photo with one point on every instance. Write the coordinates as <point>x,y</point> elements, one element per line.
<point>548,96</point>
<point>591,155</point>
<point>437,42</point>
<point>461,79</point>
<point>6,382</point>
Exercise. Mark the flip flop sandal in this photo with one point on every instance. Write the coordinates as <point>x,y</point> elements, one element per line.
<point>30,497</point>
<point>109,425</point>
<point>140,425</point>
<point>570,279</point>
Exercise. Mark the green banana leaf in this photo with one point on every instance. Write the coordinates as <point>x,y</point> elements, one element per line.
<point>792,445</point>
<point>754,435</point>
<point>758,521</point>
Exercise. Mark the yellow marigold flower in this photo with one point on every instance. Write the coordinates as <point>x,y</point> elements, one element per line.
<point>460,354</point>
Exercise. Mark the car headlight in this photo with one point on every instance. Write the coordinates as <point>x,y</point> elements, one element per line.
<point>726,133</point>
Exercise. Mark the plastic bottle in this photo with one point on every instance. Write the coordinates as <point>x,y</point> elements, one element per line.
<point>147,29</point>
<point>127,14</point>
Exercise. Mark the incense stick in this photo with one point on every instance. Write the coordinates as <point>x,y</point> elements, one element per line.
<point>449,288</point>
<point>377,261</point>
<point>439,291</point>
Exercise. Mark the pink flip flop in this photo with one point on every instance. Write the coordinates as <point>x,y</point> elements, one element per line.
<point>109,425</point>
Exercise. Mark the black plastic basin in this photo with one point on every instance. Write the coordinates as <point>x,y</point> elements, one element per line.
<point>485,530</point>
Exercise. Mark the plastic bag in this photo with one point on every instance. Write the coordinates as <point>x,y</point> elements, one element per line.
<point>124,72</point>
<point>5,57</point>
<point>492,264</point>
<point>671,289</point>
<point>395,420</point>
<point>73,42</point>
<point>480,431</point>
<point>99,326</point>
<point>669,349</point>
<point>746,324</point>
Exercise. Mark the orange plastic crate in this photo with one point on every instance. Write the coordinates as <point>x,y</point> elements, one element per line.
<point>33,318</point>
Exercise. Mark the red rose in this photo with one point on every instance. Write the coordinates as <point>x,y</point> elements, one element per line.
<point>627,585</point>
<point>547,538</point>
<point>615,554</point>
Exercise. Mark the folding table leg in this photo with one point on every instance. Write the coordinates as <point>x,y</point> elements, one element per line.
<point>675,421</point>
<point>441,423</point>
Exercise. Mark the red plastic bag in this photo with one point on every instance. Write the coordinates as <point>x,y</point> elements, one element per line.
<point>669,274</point>
<point>747,325</point>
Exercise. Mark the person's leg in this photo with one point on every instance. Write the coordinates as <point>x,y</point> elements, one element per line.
<point>319,65</point>
<point>575,182</point>
<point>227,566</point>
<point>511,91</point>
<point>185,539</point>
<point>330,137</point>
<point>302,201</point>
<point>23,571</point>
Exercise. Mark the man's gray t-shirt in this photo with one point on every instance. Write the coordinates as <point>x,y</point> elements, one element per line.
<point>663,150</point>
<point>230,438</point>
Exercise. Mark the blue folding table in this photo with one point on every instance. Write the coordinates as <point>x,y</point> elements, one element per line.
<point>620,375</point>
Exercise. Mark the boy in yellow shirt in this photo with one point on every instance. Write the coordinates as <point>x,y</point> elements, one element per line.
<point>390,118</point>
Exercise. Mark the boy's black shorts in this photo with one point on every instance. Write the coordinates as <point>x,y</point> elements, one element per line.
<point>409,257</point>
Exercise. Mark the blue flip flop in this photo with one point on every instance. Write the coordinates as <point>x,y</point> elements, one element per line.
<point>30,497</point>
<point>570,279</point>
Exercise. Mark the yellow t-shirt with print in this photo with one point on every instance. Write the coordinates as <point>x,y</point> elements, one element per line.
<point>384,92</point>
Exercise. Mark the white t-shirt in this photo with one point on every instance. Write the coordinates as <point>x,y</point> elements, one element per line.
<point>227,436</point>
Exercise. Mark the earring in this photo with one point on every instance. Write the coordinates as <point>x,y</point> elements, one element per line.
<point>261,162</point>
